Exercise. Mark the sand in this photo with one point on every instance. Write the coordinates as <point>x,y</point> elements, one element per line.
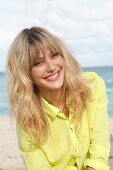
<point>10,158</point>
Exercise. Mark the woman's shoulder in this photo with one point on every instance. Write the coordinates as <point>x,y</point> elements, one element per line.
<point>90,76</point>
<point>24,140</point>
<point>95,82</point>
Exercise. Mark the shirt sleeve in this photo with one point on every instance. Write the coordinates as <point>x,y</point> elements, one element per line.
<point>34,158</point>
<point>36,161</point>
<point>99,143</point>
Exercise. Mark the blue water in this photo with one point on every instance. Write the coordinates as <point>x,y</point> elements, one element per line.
<point>105,72</point>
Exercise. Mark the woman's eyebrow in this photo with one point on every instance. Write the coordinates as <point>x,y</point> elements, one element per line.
<point>40,57</point>
<point>53,52</point>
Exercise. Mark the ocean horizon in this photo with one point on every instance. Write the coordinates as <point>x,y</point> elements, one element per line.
<point>106,72</point>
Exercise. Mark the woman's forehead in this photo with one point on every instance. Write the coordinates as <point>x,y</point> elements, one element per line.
<point>46,52</point>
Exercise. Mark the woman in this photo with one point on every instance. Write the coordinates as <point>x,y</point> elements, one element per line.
<point>59,111</point>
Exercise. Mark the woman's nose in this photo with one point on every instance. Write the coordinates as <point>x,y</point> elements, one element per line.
<point>50,66</point>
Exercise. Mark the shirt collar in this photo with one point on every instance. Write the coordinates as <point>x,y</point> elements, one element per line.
<point>50,109</point>
<point>54,111</point>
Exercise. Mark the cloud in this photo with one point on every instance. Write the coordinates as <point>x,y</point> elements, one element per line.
<point>5,38</point>
<point>73,20</point>
<point>87,26</point>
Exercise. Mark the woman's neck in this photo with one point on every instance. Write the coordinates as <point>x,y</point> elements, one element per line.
<point>56,98</point>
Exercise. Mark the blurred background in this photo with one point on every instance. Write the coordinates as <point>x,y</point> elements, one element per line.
<point>86,26</point>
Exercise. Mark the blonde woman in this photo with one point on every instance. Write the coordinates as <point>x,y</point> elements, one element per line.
<point>60,112</point>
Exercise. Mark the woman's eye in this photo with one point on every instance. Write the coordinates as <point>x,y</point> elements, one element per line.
<point>54,55</point>
<point>39,63</point>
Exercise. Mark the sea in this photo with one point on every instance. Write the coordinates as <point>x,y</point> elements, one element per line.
<point>105,72</point>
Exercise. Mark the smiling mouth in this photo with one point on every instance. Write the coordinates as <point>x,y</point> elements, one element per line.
<point>53,77</point>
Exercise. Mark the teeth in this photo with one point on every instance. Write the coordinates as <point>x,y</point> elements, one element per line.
<point>53,77</point>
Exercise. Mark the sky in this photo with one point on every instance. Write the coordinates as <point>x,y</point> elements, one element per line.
<point>85,26</point>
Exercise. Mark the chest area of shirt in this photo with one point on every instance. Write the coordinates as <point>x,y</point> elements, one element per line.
<point>63,139</point>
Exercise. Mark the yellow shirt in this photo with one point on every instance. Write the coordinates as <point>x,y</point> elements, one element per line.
<point>63,149</point>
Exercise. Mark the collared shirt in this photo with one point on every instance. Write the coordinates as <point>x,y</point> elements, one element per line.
<point>64,149</point>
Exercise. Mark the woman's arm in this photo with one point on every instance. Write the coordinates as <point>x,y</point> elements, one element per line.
<point>99,135</point>
<point>33,157</point>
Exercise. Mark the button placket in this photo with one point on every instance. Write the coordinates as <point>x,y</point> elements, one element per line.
<point>74,139</point>
<point>72,134</point>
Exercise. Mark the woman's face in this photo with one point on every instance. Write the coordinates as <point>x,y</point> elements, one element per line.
<point>48,72</point>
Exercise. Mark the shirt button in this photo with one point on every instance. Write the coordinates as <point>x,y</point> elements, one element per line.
<point>71,129</point>
<point>74,153</point>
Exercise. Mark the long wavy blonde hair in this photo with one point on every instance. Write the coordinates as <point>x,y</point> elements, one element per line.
<point>24,96</point>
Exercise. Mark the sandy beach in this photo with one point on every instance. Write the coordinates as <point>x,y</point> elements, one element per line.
<point>10,158</point>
